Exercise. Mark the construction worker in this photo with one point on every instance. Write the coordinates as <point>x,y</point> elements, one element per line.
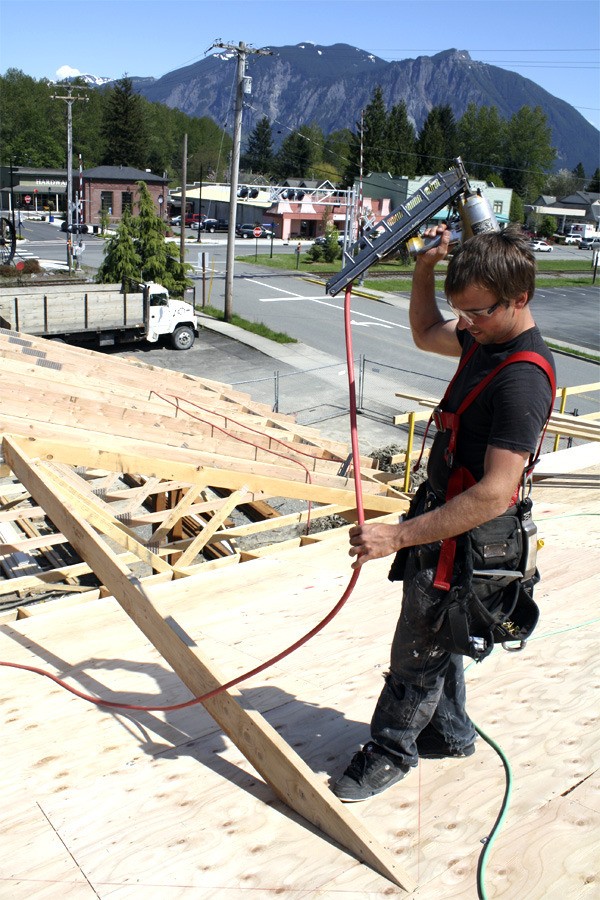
<point>466,518</point>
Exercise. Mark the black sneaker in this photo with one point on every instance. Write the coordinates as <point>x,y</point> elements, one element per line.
<point>370,772</point>
<point>432,745</point>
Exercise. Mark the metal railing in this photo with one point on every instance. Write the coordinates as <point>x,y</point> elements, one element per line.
<point>372,389</point>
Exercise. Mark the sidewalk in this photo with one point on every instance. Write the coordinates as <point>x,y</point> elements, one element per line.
<point>289,378</point>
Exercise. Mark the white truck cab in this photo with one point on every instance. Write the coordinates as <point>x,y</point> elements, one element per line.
<point>170,316</point>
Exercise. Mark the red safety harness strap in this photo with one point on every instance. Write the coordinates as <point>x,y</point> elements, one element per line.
<point>460,478</point>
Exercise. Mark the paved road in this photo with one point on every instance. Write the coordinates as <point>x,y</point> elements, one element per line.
<point>309,378</point>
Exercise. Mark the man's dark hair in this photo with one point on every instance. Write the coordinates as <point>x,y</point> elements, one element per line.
<point>500,261</point>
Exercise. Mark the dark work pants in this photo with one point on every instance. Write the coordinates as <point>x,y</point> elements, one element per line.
<point>425,685</point>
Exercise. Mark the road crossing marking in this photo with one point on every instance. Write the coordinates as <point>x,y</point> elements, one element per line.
<point>375,320</point>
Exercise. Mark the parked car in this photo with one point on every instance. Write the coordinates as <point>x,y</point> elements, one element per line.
<point>320,241</point>
<point>540,246</point>
<point>175,220</point>
<point>192,219</point>
<point>572,239</point>
<point>247,231</point>
<point>212,225</point>
<point>589,244</point>
<point>74,227</point>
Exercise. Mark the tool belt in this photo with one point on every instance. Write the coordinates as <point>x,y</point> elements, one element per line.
<point>489,601</point>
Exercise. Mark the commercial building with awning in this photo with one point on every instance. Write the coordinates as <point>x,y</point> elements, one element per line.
<point>212,200</point>
<point>33,189</point>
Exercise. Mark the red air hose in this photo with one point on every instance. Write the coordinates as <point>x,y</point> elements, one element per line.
<point>317,628</point>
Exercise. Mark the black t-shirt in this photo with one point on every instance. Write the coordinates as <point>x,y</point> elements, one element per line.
<point>509,413</point>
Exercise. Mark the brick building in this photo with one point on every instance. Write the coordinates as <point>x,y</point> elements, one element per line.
<point>114,188</point>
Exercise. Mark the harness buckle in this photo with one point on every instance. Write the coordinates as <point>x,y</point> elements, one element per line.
<point>437,416</point>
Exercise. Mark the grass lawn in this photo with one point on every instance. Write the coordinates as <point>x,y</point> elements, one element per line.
<point>255,327</point>
<point>397,277</point>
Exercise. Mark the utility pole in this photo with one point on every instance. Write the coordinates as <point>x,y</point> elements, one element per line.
<point>241,50</point>
<point>199,238</point>
<point>70,100</point>
<point>183,202</point>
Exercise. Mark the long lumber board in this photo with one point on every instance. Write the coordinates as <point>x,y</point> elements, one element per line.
<point>176,463</point>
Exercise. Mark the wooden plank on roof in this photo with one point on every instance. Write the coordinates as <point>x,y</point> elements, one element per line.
<point>180,464</point>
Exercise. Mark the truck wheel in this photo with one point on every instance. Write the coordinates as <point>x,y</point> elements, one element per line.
<point>183,338</point>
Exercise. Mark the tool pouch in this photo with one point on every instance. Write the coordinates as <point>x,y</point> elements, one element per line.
<point>480,609</point>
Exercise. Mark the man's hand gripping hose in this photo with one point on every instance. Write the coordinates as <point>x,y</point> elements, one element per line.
<point>305,638</point>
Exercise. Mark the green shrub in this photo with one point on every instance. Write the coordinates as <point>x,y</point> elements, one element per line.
<point>315,253</point>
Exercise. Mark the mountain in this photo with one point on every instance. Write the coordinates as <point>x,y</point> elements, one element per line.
<point>92,80</point>
<point>308,83</point>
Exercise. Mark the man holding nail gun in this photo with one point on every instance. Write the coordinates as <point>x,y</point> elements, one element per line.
<point>466,549</point>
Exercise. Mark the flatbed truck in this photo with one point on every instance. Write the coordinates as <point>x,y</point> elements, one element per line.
<point>98,313</point>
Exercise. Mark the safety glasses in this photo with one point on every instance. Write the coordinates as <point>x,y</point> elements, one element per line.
<point>469,315</point>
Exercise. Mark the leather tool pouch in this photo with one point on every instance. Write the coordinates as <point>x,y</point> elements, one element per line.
<point>483,609</point>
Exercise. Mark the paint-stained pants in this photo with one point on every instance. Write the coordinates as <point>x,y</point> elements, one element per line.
<point>425,685</point>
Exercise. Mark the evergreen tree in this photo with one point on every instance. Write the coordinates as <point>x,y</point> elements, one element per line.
<point>294,157</point>
<point>150,237</point>
<point>336,153</point>
<point>548,226</point>
<point>138,251</point>
<point>468,139</point>
<point>449,130</point>
<point>258,157</point>
<point>401,142</point>
<point>124,127</point>
<point>352,165</point>
<point>431,145</point>
<point>480,140</point>
<point>594,185</point>
<point>528,152</point>
<point>371,137</point>
<point>33,129</point>
<point>122,263</point>
<point>375,132</point>
<point>517,209</point>
<point>313,134</point>
<point>579,173</point>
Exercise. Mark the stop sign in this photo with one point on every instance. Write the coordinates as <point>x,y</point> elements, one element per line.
<point>257,231</point>
<point>27,198</point>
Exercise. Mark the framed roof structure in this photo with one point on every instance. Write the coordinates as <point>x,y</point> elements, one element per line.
<point>155,516</point>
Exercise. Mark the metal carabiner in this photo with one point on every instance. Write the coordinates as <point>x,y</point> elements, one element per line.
<point>527,484</point>
<point>514,649</point>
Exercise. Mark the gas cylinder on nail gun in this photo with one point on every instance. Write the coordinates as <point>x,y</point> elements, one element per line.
<point>476,217</point>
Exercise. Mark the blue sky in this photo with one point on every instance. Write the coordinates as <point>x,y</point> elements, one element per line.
<point>553,42</point>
